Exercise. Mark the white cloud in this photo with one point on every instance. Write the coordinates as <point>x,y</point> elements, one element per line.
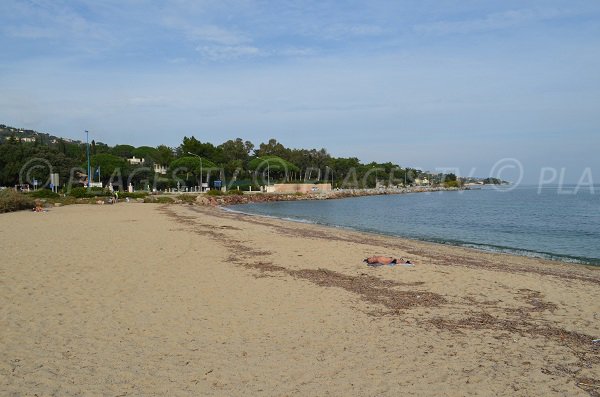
<point>213,42</point>
<point>205,33</point>
<point>495,21</point>
<point>362,30</point>
<point>340,31</point>
<point>56,21</point>
<point>222,52</point>
<point>177,60</point>
<point>31,32</point>
<point>297,51</point>
<point>215,34</point>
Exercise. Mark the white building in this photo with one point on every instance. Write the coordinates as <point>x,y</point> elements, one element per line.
<point>135,161</point>
<point>160,169</point>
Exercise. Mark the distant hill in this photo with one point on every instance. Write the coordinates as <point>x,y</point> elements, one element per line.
<point>30,135</point>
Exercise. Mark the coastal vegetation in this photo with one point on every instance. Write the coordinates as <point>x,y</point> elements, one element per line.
<point>159,199</point>
<point>82,192</point>
<point>44,194</point>
<point>14,201</point>
<point>492,181</point>
<point>28,156</point>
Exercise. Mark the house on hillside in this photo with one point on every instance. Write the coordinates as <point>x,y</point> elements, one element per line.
<point>135,161</point>
<point>160,169</point>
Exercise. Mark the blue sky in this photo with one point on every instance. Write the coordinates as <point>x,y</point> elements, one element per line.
<point>430,84</point>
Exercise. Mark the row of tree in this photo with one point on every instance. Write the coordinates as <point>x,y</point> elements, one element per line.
<point>236,161</point>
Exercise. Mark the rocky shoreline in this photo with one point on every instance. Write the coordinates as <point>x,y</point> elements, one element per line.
<point>234,199</point>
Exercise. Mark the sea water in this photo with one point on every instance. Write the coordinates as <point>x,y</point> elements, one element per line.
<point>551,223</point>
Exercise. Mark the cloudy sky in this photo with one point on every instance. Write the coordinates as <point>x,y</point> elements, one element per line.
<point>431,84</point>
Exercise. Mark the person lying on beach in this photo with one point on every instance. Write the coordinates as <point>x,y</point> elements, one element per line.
<point>384,260</point>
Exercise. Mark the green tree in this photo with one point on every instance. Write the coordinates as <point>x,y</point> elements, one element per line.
<point>236,150</point>
<point>165,155</point>
<point>148,153</point>
<point>275,166</point>
<point>109,164</point>
<point>20,162</point>
<point>204,150</point>
<point>123,151</point>
<point>191,166</point>
<point>11,160</point>
<point>272,148</point>
<point>236,154</point>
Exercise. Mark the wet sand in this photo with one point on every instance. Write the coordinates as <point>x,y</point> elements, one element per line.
<point>144,299</point>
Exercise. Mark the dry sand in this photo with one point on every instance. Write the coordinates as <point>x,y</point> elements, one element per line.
<point>143,299</point>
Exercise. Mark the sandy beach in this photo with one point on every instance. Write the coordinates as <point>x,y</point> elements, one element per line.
<point>147,299</point>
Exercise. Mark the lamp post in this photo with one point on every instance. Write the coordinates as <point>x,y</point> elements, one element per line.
<point>87,140</point>
<point>194,154</point>
<point>268,170</point>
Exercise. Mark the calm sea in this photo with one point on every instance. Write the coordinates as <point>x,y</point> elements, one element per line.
<point>550,223</point>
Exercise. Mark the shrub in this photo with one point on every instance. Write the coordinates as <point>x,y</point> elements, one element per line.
<point>67,200</point>
<point>14,201</point>
<point>451,184</point>
<point>78,192</point>
<point>83,192</point>
<point>158,199</point>
<point>134,195</point>
<point>44,193</point>
<point>187,198</point>
<point>214,193</point>
<point>235,192</point>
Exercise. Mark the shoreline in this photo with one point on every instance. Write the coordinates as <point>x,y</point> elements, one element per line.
<point>196,300</point>
<point>224,201</point>
<point>428,245</point>
<point>478,247</point>
<point>261,197</point>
